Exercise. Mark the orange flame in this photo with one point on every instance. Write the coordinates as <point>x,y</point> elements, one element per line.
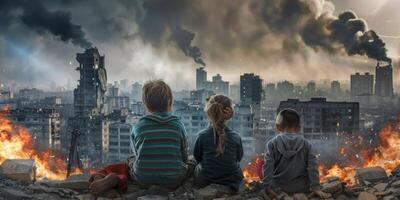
<point>16,143</point>
<point>253,171</point>
<point>387,156</point>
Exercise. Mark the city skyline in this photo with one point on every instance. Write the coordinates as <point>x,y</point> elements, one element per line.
<point>38,58</point>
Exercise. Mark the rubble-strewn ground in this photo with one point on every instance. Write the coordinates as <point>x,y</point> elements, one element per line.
<point>372,185</point>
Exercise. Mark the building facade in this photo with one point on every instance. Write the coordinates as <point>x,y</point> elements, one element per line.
<point>326,123</point>
<point>117,144</point>
<point>136,92</point>
<point>42,123</point>
<point>89,99</point>
<point>201,78</point>
<point>250,89</point>
<point>361,84</point>
<point>384,79</point>
<point>217,85</point>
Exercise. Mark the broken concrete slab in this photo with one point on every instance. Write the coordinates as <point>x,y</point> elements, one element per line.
<point>396,184</point>
<point>212,191</point>
<point>8,193</point>
<point>332,178</point>
<point>300,196</point>
<point>207,193</point>
<point>23,170</point>
<point>381,186</point>
<point>153,197</point>
<point>74,182</point>
<point>332,187</point>
<point>370,175</point>
<point>366,196</point>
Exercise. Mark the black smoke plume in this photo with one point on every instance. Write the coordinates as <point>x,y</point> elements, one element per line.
<point>349,31</point>
<point>37,17</point>
<point>160,18</point>
<point>319,29</point>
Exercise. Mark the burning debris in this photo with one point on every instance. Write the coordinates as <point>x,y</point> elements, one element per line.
<point>387,155</point>
<point>17,143</point>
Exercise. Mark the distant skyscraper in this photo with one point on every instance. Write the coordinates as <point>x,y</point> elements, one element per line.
<point>361,84</point>
<point>384,79</point>
<point>234,93</point>
<point>250,89</point>
<point>335,89</point>
<point>217,85</point>
<point>285,89</point>
<point>136,92</point>
<point>201,78</point>
<point>270,89</point>
<point>311,89</point>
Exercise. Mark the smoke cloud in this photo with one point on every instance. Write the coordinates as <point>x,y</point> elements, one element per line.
<point>296,23</point>
<point>314,21</point>
<point>162,19</point>
<point>35,16</point>
<point>143,39</point>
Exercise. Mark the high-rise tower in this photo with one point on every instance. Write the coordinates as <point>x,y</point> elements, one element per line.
<point>384,79</point>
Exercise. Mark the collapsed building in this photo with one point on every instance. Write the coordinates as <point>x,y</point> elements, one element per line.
<point>89,124</point>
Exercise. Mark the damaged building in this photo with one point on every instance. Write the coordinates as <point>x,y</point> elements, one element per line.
<point>89,98</point>
<point>42,123</point>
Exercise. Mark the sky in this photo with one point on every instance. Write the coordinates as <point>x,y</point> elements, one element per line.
<point>297,40</point>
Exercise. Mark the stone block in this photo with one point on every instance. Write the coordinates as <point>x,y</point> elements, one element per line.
<point>23,170</point>
<point>332,187</point>
<point>371,175</point>
<point>366,196</point>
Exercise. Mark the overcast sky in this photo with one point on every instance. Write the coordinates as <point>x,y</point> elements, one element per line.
<point>139,41</point>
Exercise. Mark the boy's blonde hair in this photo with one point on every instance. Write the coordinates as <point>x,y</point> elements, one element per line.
<point>156,96</point>
<point>219,109</point>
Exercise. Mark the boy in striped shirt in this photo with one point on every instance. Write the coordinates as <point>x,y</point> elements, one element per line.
<point>160,146</point>
<point>159,140</point>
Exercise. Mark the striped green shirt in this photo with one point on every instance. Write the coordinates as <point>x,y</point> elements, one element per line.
<point>160,144</point>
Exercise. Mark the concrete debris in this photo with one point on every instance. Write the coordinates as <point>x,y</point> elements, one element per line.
<point>8,193</point>
<point>370,175</point>
<point>153,197</point>
<point>23,170</point>
<point>366,196</point>
<point>379,187</point>
<point>332,187</point>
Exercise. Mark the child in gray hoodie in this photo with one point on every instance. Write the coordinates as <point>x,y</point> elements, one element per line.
<point>290,164</point>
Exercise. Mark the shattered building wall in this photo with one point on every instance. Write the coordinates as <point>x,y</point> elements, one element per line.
<point>89,98</point>
<point>384,79</point>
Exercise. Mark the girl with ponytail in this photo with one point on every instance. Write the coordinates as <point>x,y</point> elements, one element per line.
<point>218,149</point>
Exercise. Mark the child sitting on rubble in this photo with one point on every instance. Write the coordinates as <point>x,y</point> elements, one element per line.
<point>218,149</point>
<point>290,163</point>
<point>160,145</point>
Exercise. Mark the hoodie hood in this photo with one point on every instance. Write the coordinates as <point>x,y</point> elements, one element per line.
<point>289,144</point>
<point>161,117</point>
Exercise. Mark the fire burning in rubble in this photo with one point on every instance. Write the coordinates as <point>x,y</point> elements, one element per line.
<point>253,171</point>
<point>386,155</point>
<point>16,143</point>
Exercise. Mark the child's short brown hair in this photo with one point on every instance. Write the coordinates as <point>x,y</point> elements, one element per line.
<point>288,118</point>
<point>157,96</point>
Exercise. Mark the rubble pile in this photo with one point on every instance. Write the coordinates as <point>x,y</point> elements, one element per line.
<point>372,184</point>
